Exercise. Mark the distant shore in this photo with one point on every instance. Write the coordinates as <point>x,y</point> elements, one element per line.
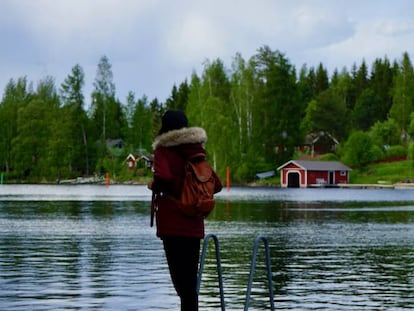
<point>94,181</point>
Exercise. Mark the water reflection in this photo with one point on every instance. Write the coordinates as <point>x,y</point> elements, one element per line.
<point>325,256</point>
<point>102,255</point>
<point>77,255</point>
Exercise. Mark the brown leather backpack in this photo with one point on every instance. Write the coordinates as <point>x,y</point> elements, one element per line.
<point>197,195</point>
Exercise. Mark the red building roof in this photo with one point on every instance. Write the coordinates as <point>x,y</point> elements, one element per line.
<point>318,165</point>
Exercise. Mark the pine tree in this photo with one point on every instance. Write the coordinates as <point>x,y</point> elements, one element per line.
<point>71,93</point>
<point>142,125</point>
<point>278,110</point>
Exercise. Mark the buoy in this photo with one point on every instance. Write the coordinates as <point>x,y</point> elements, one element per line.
<point>228,178</point>
<point>107,180</point>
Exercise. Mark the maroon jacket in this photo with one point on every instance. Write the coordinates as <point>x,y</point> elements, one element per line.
<point>171,149</point>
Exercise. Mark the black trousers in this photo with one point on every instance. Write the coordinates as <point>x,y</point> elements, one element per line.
<point>183,256</point>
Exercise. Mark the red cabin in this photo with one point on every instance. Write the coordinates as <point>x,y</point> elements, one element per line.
<point>302,174</point>
<point>130,161</point>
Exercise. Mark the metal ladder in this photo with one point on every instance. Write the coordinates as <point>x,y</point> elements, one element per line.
<point>218,262</point>
<point>252,268</point>
<point>268,269</point>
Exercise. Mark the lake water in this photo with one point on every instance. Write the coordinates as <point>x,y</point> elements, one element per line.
<point>91,248</point>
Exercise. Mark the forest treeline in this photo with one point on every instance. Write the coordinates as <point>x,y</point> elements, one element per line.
<point>256,112</point>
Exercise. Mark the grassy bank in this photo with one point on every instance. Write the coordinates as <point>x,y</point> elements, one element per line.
<point>387,173</point>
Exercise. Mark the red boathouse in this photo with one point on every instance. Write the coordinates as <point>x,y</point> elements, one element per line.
<point>302,174</point>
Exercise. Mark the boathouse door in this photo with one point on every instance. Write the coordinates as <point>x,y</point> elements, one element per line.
<point>331,180</point>
<point>293,180</point>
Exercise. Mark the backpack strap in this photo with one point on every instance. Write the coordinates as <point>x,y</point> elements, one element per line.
<point>154,205</point>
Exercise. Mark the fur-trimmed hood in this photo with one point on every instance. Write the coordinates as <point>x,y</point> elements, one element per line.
<point>185,135</point>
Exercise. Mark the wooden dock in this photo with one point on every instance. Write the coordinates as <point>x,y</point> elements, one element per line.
<point>366,186</point>
<point>378,186</point>
<point>402,185</point>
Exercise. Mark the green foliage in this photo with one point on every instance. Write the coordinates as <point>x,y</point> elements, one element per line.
<point>377,153</point>
<point>156,115</point>
<point>243,172</point>
<point>179,97</point>
<point>306,84</point>
<point>328,157</point>
<point>411,126</point>
<point>410,152</point>
<point>396,152</point>
<point>327,113</point>
<point>358,150</point>
<point>278,110</point>
<point>381,82</point>
<point>385,134</point>
<point>16,96</point>
<point>30,145</point>
<point>361,81</point>
<point>321,79</point>
<point>141,128</point>
<point>69,143</point>
<point>256,114</point>
<point>107,114</point>
<point>367,110</point>
<point>403,93</point>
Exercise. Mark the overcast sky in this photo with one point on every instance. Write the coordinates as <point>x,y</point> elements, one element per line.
<point>154,44</point>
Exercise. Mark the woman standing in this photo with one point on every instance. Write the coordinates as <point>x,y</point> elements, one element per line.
<point>180,233</point>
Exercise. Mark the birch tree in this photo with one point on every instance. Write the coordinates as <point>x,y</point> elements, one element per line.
<point>403,93</point>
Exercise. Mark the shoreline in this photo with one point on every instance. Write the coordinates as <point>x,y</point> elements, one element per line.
<point>92,181</point>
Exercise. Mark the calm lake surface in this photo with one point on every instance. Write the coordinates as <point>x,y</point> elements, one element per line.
<point>91,248</point>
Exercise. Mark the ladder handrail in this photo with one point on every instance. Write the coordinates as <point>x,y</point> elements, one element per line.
<point>218,261</point>
<point>252,268</point>
<point>269,272</point>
